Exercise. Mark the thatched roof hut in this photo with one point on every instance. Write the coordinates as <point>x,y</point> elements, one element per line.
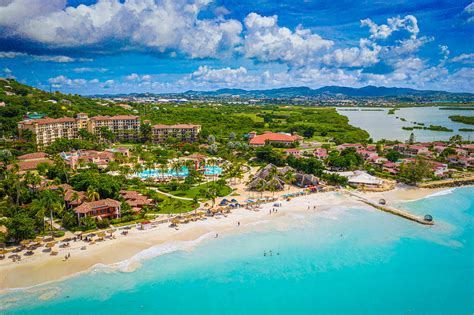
<point>306,179</point>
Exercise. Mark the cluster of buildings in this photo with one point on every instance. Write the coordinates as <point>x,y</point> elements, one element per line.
<point>80,158</point>
<point>124,127</point>
<point>104,208</point>
<point>463,157</point>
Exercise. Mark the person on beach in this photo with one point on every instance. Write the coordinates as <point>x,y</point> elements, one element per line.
<point>217,235</point>
<point>238,223</point>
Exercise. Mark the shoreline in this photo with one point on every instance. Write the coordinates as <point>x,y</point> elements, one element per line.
<point>125,253</point>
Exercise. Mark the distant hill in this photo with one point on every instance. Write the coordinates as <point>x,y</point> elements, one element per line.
<point>367,91</point>
<point>19,100</point>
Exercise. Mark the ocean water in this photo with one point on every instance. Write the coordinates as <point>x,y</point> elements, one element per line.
<point>380,125</point>
<point>343,261</point>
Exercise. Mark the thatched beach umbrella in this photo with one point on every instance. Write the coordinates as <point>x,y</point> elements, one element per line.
<point>50,244</point>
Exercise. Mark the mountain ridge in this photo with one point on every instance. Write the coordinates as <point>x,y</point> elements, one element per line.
<point>366,91</point>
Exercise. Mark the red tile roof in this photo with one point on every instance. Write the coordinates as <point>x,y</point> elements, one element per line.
<point>32,156</point>
<point>178,126</point>
<point>47,120</point>
<point>30,165</point>
<point>274,137</point>
<point>87,207</point>
<point>117,117</point>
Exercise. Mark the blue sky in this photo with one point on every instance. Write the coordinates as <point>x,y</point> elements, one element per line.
<point>112,46</point>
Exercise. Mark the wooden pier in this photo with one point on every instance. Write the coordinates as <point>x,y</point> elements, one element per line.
<point>395,211</point>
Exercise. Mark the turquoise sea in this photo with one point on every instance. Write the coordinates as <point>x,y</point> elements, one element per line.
<point>347,261</point>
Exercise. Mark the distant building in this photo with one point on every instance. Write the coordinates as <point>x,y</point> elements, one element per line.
<point>180,132</point>
<point>294,152</point>
<point>47,130</point>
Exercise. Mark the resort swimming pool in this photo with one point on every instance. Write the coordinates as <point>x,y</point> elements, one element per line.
<point>183,172</point>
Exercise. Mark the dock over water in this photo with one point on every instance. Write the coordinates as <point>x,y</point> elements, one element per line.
<point>392,210</point>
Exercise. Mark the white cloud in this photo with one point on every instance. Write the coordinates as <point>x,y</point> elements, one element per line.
<point>137,77</point>
<point>11,54</point>
<point>46,58</point>
<point>365,55</point>
<point>469,12</point>
<point>383,31</point>
<point>63,81</point>
<point>464,58</point>
<point>266,41</point>
<point>224,75</point>
<point>89,69</point>
<point>134,24</point>
<point>108,84</point>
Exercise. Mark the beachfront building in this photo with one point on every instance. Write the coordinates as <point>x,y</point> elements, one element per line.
<point>136,200</point>
<point>180,132</point>
<point>99,209</point>
<point>47,130</point>
<point>277,139</point>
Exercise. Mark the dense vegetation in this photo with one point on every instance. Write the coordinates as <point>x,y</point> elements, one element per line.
<point>468,120</point>
<point>430,127</point>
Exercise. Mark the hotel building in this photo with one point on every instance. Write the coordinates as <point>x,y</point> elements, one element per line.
<point>181,132</point>
<point>47,130</point>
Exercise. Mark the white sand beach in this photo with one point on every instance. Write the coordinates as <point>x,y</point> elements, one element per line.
<point>42,267</point>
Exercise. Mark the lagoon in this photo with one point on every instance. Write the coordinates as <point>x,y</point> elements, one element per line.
<point>380,125</point>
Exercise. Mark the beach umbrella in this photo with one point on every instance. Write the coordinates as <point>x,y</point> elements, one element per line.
<point>38,239</point>
<point>50,244</point>
<point>25,242</point>
<point>4,251</point>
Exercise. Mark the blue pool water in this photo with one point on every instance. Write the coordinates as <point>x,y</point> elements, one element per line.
<point>183,172</point>
<point>348,261</point>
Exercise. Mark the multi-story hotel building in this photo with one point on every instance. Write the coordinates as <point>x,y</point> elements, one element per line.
<point>180,132</point>
<point>47,130</point>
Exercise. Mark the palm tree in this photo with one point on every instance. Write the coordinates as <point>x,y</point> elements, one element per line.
<point>261,186</point>
<point>50,199</point>
<point>37,206</point>
<point>75,196</point>
<point>176,167</point>
<point>289,178</point>
<point>92,194</point>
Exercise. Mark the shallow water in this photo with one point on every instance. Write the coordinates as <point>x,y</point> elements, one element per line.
<point>356,261</point>
<point>380,125</point>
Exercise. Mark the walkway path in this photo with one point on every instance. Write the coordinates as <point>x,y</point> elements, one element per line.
<point>169,195</point>
<point>399,212</point>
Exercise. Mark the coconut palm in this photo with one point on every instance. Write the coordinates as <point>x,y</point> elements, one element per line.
<point>289,178</point>
<point>92,194</point>
<point>260,187</point>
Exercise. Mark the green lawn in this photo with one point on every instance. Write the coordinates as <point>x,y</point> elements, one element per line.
<point>194,191</point>
<point>173,205</point>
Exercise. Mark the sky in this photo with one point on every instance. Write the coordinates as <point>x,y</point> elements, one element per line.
<point>161,46</point>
